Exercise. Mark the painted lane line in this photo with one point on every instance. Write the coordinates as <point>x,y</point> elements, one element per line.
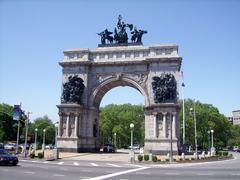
<point>143,173</point>
<point>85,171</point>
<point>84,177</point>
<point>75,164</point>
<point>172,174</point>
<point>93,164</point>
<point>114,165</point>
<point>45,162</point>
<point>205,174</point>
<point>117,173</point>
<point>60,163</point>
<point>6,170</point>
<point>59,175</point>
<point>29,172</point>
<point>235,174</point>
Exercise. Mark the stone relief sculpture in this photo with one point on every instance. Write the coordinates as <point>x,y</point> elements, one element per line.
<point>164,88</point>
<point>120,34</point>
<point>73,90</point>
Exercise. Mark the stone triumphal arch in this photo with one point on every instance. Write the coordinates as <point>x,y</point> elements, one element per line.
<point>88,74</point>
<point>93,72</point>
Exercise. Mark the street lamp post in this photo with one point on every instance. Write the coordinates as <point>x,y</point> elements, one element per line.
<point>36,130</point>
<point>44,134</point>
<point>131,151</point>
<point>209,146</point>
<point>193,112</point>
<point>131,127</point>
<point>56,133</point>
<point>212,147</point>
<point>115,140</point>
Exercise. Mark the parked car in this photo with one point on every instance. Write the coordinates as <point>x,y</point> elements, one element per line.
<point>135,147</point>
<point>1,145</point>
<point>10,146</point>
<point>109,148</point>
<point>6,158</point>
<point>235,148</point>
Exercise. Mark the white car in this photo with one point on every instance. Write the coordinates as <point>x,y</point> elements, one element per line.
<point>10,146</point>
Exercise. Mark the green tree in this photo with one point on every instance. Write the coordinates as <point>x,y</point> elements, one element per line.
<point>208,117</point>
<point>116,119</point>
<point>234,139</point>
<point>8,126</point>
<point>42,123</point>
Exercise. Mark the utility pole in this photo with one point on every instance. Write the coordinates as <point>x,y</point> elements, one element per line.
<point>26,134</point>
<point>195,128</point>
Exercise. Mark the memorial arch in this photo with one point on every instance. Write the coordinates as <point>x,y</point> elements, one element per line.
<point>88,74</point>
<point>96,71</point>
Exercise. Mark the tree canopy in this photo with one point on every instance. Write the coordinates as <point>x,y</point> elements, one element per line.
<point>117,119</point>
<point>208,118</point>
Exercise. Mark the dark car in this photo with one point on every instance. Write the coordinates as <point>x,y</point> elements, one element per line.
<point>7,159</point>
<point>109,148</point>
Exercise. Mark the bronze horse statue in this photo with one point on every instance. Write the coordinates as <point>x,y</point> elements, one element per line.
<point>106,35</point>
<point>137,35</point>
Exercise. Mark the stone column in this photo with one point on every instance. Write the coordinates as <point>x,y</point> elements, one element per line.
<point>174,124</point>
<point>164,124</point>
<point>67,125</point>
<point>155,125</point>
<point>76,126</point>
<point>60,124</point>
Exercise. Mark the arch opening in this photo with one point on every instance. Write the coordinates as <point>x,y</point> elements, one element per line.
<point>108,85</point>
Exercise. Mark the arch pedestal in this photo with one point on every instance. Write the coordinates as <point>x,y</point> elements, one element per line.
<point>104,68</point>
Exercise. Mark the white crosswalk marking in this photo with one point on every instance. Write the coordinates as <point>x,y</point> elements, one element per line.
<point>59,175</point>
<point>76,164</point>
<point>45,162</point>
<point>93,164</point>
<point>60,163</point>
<point>114,165</point>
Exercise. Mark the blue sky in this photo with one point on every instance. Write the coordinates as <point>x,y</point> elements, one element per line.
<point>33,35</point>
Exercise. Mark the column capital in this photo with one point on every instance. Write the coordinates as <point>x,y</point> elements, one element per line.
<point>164,113</point>
<point>174,113</point>
<point>60,113</point>
<point>154,113</point>
<point>76,114</point>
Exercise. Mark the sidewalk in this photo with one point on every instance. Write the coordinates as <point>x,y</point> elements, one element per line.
<point>120,156</point>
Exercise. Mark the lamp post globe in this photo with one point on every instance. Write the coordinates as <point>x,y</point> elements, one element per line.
<point>131,125</point>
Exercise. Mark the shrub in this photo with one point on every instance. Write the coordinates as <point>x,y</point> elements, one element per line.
<point>32,155</point>
<point>225,153</point>
<point>140,157</point>
<point>40,155</point>
<point>154,158</point>
<point>146,157</point>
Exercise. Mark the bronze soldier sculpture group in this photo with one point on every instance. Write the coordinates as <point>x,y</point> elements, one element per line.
<point>120,34</point>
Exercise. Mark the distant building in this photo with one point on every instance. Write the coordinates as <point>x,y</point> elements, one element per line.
<point>236,117</point>
<point>230,120</point>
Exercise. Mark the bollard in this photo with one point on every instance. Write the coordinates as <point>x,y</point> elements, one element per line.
<point>183,156</point>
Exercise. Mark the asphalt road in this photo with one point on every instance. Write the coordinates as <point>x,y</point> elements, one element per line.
<point>77,170</point>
